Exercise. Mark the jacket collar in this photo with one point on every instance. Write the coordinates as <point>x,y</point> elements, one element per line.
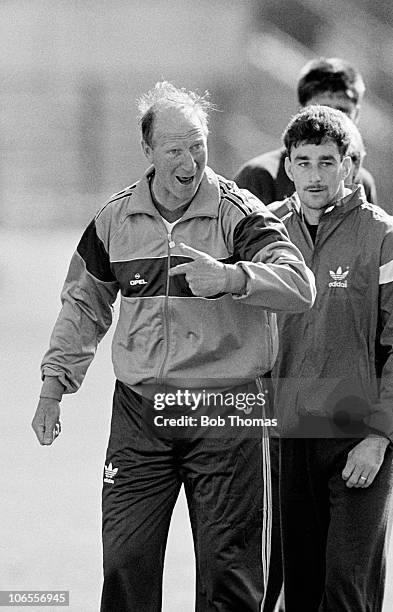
<point>356,198</point>
<point>205,203</point>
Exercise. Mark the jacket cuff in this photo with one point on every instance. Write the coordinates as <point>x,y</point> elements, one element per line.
<point>236,279</point>
<point>52,388</point>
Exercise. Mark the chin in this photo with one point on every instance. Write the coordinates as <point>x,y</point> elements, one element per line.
<point>316,202</point>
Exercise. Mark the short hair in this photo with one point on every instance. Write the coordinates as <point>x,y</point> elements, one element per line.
<point>166,95</point>
<point>315,124</point>
<point>332,75</point>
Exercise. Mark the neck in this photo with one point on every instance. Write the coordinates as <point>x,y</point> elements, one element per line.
<point>163,202</point>
<point>169,214</point>
<point>313,215</point>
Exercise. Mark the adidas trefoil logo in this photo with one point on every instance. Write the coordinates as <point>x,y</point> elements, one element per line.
<point>339,277</point>
<point>110,473</point>
<point>137,280</point>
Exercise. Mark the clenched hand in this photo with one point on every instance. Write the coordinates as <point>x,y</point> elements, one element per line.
<point>46,421</point>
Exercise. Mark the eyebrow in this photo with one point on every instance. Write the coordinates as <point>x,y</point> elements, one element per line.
<point>321,158</point>
<point>301,158</point>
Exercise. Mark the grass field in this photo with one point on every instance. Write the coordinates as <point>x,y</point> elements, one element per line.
<point>50,510</point>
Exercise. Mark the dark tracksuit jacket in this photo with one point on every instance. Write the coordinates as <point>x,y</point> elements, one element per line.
<point>342,346</point>
<point>166,336</point>
<point>333,385</point>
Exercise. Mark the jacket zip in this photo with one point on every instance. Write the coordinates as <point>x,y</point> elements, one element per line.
<point>171,244</point>
<point>300,221</point>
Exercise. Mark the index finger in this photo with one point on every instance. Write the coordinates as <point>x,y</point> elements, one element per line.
<point>180,269</point>
<point>190,251</point>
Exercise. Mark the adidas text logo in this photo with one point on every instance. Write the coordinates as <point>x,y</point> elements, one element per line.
<point>138,280</point>
<point>339,278</point>
<point>110,473</point>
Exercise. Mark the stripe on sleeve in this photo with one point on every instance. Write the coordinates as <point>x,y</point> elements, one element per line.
<point>255,232</point>
<point>236,199</point>
<point>386,273</point>
<point>93,252</point>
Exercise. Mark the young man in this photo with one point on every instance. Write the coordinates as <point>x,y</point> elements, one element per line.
<point>336,83</point>
<point>333,379</point>
<point>202,268</point>
<point>332,82</point>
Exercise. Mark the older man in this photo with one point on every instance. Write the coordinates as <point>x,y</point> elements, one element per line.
<point>202,267</point>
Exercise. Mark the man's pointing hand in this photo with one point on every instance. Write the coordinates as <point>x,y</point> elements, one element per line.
<point>206,276</point>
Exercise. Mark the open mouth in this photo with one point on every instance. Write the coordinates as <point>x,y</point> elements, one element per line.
<point>185,180</point>
<point>315,189</point>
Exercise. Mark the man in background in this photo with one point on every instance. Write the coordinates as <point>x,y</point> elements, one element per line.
<point>331,82</point>
<point>333,379</point>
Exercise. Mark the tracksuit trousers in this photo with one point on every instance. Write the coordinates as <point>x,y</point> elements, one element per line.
<point>223,476</point>
<point>334,537</point>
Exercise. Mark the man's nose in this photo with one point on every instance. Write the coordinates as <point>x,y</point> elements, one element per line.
<point>315,174</point>
<point>188,162</point>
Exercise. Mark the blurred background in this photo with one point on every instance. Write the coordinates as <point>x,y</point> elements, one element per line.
<point>70,73</point>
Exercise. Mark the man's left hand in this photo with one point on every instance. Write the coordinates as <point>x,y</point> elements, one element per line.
<point>205,275</point>
<point>364,461</point>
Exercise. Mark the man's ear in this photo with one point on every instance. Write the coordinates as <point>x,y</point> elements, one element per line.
<point>148,151</point>
<point>346,167</point>
<point>288,168</point>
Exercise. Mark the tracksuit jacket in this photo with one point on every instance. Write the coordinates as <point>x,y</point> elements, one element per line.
<point>165,334</point>
<point>336,360</point>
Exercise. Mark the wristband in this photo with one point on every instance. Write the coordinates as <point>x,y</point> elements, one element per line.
<point>235,279</point>
<point>52,388</point>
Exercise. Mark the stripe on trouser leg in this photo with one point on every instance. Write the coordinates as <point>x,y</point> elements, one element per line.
<point>267,502</point>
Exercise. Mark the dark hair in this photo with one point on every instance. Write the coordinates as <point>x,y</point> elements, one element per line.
<point>330,75</point>
<point>165,95</point>
<point>315,124</point>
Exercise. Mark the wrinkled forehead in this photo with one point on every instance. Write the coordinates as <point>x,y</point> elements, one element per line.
<point>178,122</point>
